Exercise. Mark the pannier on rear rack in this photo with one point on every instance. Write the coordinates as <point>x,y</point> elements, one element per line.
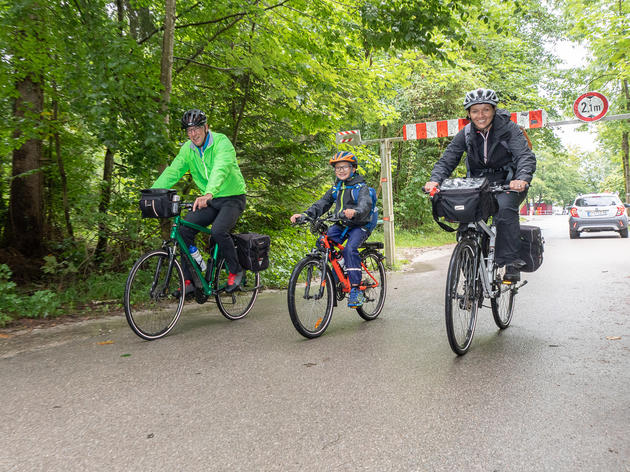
<point>464,200</point>
<point>252,250</point>
<point>532,247</point>
<point>157,203</point>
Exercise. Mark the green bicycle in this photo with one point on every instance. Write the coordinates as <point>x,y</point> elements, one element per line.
<point>152,309</point>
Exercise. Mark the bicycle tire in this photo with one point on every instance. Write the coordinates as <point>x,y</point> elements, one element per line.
<point>151,309</point>
<point>236,305</point>
<point>310,315</point>
<point>373,296</point>
<point>503,304</point>
<point>461,300</point>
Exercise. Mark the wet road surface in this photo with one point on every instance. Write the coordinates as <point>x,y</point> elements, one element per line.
<point>552,392</point>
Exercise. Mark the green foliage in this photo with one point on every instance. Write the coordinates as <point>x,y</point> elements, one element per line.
<point>279,79</point>
<point>39,304</point>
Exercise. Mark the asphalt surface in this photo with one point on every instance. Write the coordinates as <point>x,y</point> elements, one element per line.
<point>552,392</point>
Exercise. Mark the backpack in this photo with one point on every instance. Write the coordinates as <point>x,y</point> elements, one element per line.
<point>354,190</point>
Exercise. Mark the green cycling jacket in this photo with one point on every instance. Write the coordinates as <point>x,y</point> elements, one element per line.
<point>213,168</point>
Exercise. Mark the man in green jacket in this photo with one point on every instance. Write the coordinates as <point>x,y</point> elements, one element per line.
<point>211,160</point>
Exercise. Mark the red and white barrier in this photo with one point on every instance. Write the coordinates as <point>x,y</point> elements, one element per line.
<point>446,128</point>
<point>352,137</point>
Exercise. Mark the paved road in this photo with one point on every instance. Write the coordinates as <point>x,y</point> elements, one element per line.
<point>550,393</point>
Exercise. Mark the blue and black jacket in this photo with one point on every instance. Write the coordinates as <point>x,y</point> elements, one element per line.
<point>345,200</point>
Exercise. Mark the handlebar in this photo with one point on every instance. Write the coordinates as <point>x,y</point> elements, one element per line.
<point>318,225</point>
<point>491,189</point>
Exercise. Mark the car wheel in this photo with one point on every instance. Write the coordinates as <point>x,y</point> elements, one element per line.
<point>623,233</point>
<point>573,234</point>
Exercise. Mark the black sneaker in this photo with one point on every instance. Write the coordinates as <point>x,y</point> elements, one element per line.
<point>513,271</point>
<point>234,281</point>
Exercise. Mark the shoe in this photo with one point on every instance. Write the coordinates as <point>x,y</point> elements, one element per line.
<point>234,281</point>
<point>188,291</point>
<point>355,299</point>
<point>512,272</point>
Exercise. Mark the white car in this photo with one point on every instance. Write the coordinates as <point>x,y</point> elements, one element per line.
<point>598,212</point>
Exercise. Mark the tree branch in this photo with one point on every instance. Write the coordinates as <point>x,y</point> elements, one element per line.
<point>191,61</point>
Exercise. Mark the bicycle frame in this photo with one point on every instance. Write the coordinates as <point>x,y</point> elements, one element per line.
<point>343,279</point>
<point>200,279</point>
<point>486,263</point>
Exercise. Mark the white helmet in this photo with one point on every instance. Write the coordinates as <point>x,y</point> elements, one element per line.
<point>475,97</point>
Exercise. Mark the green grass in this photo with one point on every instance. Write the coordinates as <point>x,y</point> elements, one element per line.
<point>405,238</point>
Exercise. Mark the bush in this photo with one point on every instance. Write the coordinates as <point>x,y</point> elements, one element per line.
<point>39,304</point>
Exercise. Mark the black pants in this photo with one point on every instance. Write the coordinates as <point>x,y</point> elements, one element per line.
<point>222,213</point>
<point>508,227</point>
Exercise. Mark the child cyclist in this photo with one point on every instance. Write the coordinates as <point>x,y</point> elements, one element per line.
<point>355,214</point>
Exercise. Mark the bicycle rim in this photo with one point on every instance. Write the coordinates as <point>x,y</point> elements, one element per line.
<point>310,312</point>
<point>374,294</point>
<point>461,302</point>
<point>238,304</point>
<point>503,304</point>
<point>151,309</point>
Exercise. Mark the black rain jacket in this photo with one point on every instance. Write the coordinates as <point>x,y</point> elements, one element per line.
<point>509,157</point>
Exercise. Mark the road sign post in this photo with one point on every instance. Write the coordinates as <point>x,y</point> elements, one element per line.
<point>388,203</point>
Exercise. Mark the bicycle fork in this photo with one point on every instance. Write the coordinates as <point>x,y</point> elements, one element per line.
<point>164,289</point>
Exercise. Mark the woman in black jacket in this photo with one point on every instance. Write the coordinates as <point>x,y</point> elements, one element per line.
<point>495,148</point>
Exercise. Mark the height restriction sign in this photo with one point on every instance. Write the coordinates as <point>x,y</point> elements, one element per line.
<point>591,106</point>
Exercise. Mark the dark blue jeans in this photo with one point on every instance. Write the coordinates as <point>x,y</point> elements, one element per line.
<point>222,213</point>
<point>508,227</point>
<point>355,237</point>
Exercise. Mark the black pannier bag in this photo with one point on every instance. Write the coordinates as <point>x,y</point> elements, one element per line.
<point>156,203</point>
<point>532,247</point>
<point>252,250</point>
<point>464,200</point>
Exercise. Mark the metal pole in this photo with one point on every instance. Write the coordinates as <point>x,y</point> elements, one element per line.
<point>388,201</point>
<point>580,122</point>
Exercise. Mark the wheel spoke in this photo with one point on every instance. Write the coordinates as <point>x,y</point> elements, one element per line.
<point>150,308</point>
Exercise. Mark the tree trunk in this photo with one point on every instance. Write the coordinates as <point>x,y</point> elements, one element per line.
<point>625,147</point>
<point>25,228</point>
<point>166,78</point>
<point>62,173</point>
<point>166,71</point>
<point>106,191</point>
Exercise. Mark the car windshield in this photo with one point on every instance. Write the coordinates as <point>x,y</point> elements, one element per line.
<point>595,201</point>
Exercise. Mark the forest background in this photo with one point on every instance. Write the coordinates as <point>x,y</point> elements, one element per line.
<point>92,91</point>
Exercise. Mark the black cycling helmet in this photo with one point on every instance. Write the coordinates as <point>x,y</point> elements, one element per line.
<point>478,96</point>
<point>193,118</point>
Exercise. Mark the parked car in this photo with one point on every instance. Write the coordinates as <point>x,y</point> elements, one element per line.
<point>598,212</point>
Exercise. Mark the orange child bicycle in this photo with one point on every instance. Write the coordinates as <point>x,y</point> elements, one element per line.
<point>320,280</point>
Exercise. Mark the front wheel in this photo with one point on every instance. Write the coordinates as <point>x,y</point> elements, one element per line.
<point>238,304</point>
<point>503,303</point>
<point>374,279</point>
<point>150,306</point>
<point>310,297</point>
<point>461,301</point>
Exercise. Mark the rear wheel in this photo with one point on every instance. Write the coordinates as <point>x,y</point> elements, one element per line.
<point>503,303</point>
<point>310,298</point>
<point>623,233</point>
<point>150,307</point>
<point>573,234</point>
<point>374,279</point>
<point>239,303</point>
<point>461,302</point>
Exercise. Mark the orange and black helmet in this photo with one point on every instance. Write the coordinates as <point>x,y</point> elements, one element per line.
<point>344,156</point>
